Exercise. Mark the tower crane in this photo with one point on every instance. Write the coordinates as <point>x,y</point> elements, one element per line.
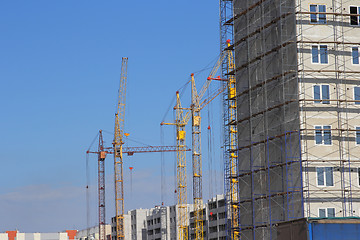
<point>118,158</point>
<point>231,158</point>
<point>101,152</point>
<point>182,119</point>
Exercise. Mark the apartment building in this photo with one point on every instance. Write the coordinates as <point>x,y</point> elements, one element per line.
<point>298,102</point>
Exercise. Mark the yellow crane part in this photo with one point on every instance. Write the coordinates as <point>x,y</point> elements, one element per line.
<point>118,156</point>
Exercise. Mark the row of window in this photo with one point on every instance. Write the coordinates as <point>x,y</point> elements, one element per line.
<point>319,54</point>
<point>327,212</point>
<point>318,15</point>
<point>323,135</point>
<point>325,176</point>
<point>322,94</point>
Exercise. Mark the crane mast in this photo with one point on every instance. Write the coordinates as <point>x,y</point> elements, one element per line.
<point>197,162</point>
<point>181,169</point>
<point>101,186</point>
<point>182,119</point>
<point>118,157</point>
<point>231,160</point>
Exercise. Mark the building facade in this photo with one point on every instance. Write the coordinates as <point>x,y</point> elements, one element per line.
<point>92,233</point>
<point>16,235</point>
<point>298,104</point>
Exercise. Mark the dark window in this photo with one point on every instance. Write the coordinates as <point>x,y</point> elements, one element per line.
<point>357,135</point>
<point>355,55</point>
<point>318,135</point>
<point>322,213</point>
<point>323,54</point>
<point>313,16</point>
<point>331,212</point>
<point>354,20</point>
<point>322,17</point>
<point>315,54</point>
<point>327,135</point>
<point>357,94</point>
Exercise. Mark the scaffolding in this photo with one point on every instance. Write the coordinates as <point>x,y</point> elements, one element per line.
<point>229,116</point>
<point>297,148</point>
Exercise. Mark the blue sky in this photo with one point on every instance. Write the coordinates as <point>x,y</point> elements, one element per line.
<point>59,70</point>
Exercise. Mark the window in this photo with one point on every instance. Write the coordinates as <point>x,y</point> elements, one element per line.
<point>359,176</point>
<point>316,16</point>
<point>327,212</point>
<point>357,94</point>
<point>354,20</point>
<point>355,55</point>
<point>357,138</point>
<point>323,135</point>
<point>325,176</point>
<point>321,92</point>
<point>319,54</point>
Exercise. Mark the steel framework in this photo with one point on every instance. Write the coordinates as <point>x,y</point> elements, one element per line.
<point>118,156</point>
<point>285,171</point>
<point>101,186</point>
<point>230,154</point>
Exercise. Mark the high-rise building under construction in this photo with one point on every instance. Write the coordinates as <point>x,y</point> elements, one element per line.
<point>298,102</point>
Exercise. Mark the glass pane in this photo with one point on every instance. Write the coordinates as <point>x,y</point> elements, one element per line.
<point>357,94</point>
<point>320,176</point>
<point>329,176</point>
<point>327,135</point>
<point>322,17</point>
<point>353,19</point>
<point>323,54</point>
<point>313,16</point>
<point>359,175</point>
<point>322,213</point>
<point>325,93</point>
<point>317,93</point>
<point>355,55</point>
<point>318,135</point>
<point>331,212</point>
<point>315,54</point>
<point>357,135</point>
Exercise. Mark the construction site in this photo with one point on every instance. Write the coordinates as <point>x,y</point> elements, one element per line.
<point>288,76</point>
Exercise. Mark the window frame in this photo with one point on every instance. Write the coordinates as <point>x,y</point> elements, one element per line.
<point>321,100</point>
<point>357,17</point>
<point>356,87</point>
<point>322,130</point>
<point>319,54</point>
<point>324,176</point>
<point>327,212</point>
<point>352,56</point>
<point>357,135</point>
<point>317,17</point>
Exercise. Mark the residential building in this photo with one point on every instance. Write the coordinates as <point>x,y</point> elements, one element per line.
<point>92,233</point>
<point>297,91</point>
<point>16,235</point>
